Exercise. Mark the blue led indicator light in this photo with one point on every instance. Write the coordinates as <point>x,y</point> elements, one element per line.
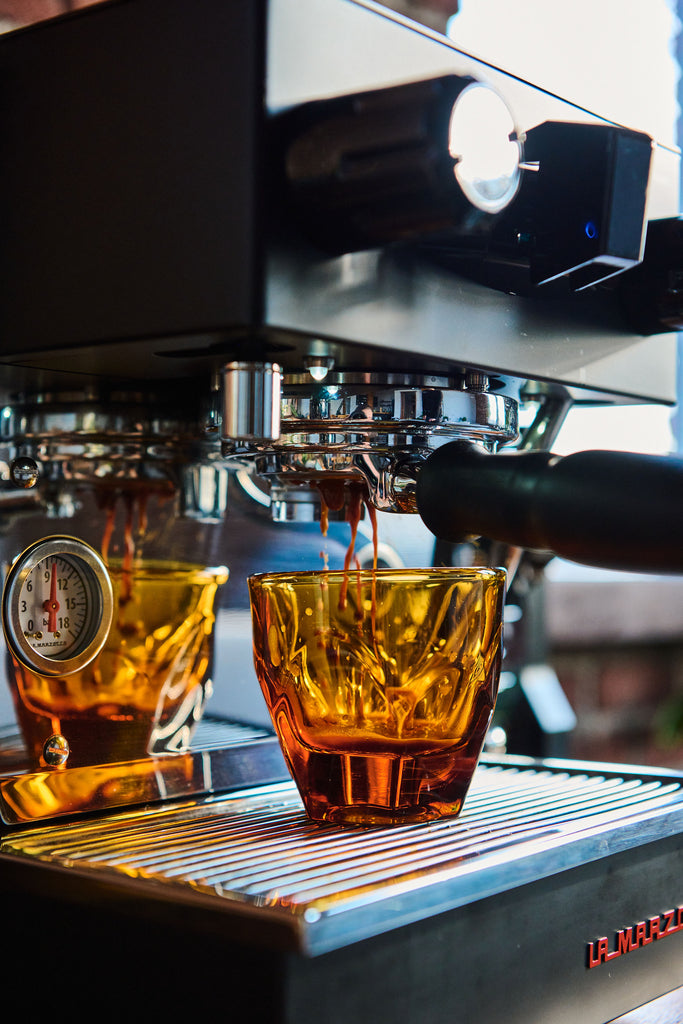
<point>591,229</point>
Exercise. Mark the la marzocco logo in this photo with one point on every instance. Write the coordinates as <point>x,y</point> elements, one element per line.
<point>635,936</point>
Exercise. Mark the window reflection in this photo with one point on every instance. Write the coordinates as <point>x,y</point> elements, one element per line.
<point>615,57</point>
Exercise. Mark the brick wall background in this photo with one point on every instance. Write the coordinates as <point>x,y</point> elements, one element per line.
<point>26,12</point>
<point>628,699</point>
<point>434,13</point>
<point>617,648</point>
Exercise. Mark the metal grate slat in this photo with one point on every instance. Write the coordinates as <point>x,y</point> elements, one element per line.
<point>258,851</point>
<point>506,803</point>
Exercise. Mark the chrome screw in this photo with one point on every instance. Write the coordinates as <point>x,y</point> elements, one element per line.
<point>56,751</point>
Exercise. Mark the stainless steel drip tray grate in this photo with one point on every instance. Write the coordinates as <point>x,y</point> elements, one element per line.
<point>257,853</point>
<point>224,756</point>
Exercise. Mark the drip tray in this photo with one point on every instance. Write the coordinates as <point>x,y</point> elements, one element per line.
<point>255,854</point>
<point>223,756</point>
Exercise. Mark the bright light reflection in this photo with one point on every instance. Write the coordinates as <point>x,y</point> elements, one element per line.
<point>479,138</point>
<point>630,428</point>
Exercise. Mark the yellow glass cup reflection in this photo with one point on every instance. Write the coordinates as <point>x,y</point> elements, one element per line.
<point>146,689</point>
<point>380,685</point>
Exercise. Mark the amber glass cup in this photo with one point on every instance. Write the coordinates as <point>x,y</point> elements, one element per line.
<point>380,685</point>
<point>145,691</point>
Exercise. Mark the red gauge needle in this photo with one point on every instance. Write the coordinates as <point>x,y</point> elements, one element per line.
<point>51,606</point>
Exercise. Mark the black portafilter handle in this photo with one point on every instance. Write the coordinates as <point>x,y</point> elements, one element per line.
<point>614,510</point>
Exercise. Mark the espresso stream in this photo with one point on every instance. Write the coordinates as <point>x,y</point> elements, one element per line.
<point>332,498</point>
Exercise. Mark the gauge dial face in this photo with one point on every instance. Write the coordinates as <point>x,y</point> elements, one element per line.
<point>57,606</point>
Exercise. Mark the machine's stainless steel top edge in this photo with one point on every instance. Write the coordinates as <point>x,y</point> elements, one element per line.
<point>390,305</point>
<point>256,853</point>
<point>439,37</point>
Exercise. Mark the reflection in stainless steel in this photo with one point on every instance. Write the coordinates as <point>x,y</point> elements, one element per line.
<point>257,852</point>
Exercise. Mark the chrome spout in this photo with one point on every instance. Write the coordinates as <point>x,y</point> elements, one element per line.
<point>251,401</point>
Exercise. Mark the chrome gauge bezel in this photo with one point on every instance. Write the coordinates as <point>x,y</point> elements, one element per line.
<point>93,572</point>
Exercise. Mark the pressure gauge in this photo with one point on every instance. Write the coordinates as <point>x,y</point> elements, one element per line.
<point>57,606</point>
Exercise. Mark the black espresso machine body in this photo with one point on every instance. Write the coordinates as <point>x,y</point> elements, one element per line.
<point>210,213</point>
<point>170,221</point>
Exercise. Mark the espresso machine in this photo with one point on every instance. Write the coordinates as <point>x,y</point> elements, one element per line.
<point>308,254</point>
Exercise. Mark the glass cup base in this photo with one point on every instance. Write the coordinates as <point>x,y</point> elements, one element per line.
<point>376,789</point>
